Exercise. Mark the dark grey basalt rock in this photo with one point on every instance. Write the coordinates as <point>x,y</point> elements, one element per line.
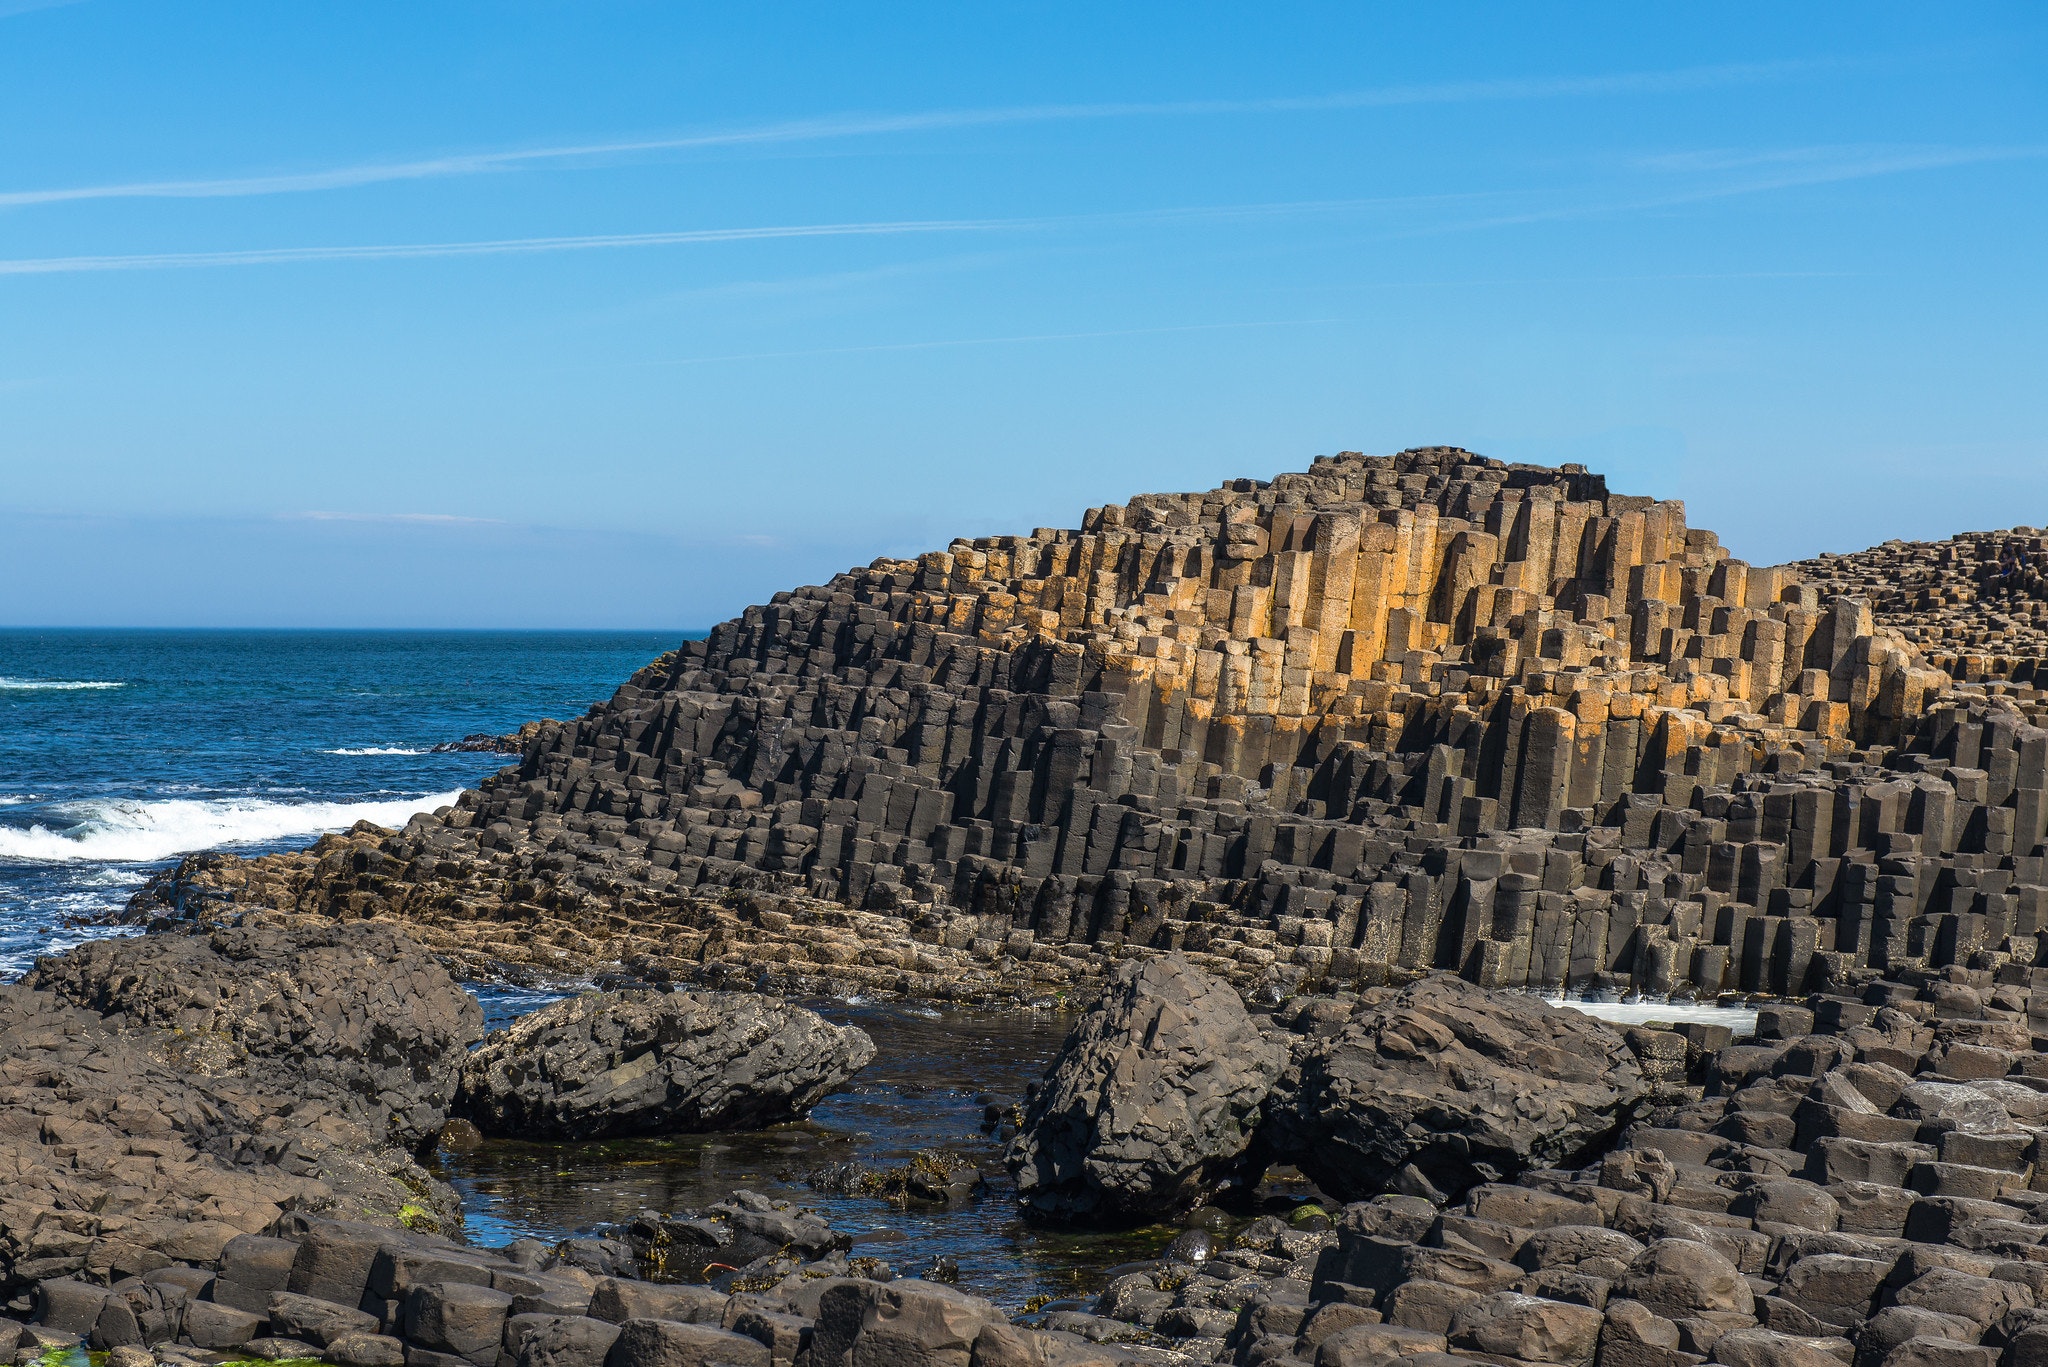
<point>163,1099</point>
<point>1153,1100</point>
<point>642,1062</point>
<point>1441,1085</point>
<point>352,1010</point>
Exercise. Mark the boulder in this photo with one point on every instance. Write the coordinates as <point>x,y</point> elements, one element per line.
<point>1676,1278</point>
<point>667,1343</point>
<point>1508,1324</point>
<point>1152,1102</point>
<point>1440,1085</point>
<point>644,1062</point>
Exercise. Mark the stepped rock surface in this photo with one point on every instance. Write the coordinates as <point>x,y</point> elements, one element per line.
<point>1861,1184</point>
<point>159,1098</point>
<point>609,1064</point>
<point>356,1010</point>
<point>1152,1102</point>
<point>1976,603</point>
<point>1387,715</point>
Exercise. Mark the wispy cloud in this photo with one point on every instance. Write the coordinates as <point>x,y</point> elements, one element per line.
<point>1792,169</point>
<point>265,256</point>
<point>427,519</point>
<point>999,341</point>
<point>847,126</point>
<point>10,8</point>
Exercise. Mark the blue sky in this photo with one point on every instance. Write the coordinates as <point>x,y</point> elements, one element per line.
<point>627,314</point>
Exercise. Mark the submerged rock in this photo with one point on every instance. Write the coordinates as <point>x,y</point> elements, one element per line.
<point>640,1062</point>
<point>484,743</point>
<point>1152,1102</point>
<point>1441,1085</point>
<point>932,1175</point>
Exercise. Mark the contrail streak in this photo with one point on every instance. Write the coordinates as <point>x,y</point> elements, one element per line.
<point>857,126</point>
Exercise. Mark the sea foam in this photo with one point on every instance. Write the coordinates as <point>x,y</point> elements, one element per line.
<point>374,750</point>
<point>136,832</point>
<point>8,685</point>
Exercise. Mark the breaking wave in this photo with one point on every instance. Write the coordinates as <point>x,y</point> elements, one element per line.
<point>374,750</point>
<point>8,685</point>
<point>136,832</point>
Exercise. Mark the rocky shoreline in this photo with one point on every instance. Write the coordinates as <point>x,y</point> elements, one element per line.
<point>1306,787</point>
<point>1860,1185</point>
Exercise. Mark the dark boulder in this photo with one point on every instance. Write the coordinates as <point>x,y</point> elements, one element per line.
<point>1152,1103</point>
<point>1441,1085</point>
<point>641,1062</point>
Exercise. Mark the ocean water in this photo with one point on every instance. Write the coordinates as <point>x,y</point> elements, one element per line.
<point>122,750</point>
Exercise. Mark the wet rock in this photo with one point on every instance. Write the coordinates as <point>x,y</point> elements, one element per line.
<point>484,743</point>
<point>641,1062</point>
<point>1152,1102</point>
<point>930,1176</point>
<point>1435,1087</point>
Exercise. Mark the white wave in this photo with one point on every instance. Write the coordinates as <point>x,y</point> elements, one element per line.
<point>374,750</point>
<point>15,800</point>
<point>1740,1019</point>
<point>53,685</point>
<point>135,832</point>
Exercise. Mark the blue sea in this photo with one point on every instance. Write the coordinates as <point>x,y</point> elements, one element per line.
<point>122,750</point>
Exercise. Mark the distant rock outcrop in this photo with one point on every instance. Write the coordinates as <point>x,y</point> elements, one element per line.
<point>483,742</point>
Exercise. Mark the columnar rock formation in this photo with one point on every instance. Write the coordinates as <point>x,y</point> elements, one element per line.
<point>1390,714</point>
<point>1977,603</point>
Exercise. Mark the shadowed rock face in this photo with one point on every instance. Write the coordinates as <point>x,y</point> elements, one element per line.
<point>1444,1085</point>
<point>1152,1103</point>
<point>636,1063</point>
<point>353,1009</point>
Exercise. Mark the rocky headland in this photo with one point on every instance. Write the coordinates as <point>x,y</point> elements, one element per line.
<point>1388,715</point>
<point>1305,788</point>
